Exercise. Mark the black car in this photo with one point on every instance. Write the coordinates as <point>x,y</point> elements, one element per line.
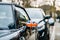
<point>10,27</point>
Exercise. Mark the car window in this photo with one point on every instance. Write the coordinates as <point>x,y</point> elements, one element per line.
<point>20,16</point>
<point>6,16</point>
<point>22,13</point>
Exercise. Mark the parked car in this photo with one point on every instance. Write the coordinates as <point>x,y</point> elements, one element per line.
<point>49,20</point>
<point>10,28</point>
<point>37,15</point>
<point>58,18</point>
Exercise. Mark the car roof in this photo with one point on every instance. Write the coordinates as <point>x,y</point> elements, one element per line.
<point>2,3</point>
<point>33,8</point>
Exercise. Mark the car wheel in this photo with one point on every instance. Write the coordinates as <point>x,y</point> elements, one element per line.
<point>22,38</point>
<point>46,35</point>
<point>38,37</point>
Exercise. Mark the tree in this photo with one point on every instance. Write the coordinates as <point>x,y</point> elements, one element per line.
<point>58,13</point>
<point>26,3</point>
<point>45,7</point>
<point>53,11</point>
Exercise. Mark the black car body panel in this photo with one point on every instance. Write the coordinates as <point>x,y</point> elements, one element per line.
<point>11,31</point>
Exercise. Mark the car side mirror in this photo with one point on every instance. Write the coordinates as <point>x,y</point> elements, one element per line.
<point>23,18</point>
<point>47,16</point>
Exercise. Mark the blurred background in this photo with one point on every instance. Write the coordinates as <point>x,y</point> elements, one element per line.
<point>50,7</point>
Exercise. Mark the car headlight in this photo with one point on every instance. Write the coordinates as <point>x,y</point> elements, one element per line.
<point>41,26</point>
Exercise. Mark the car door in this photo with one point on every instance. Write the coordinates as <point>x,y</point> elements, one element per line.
<point>22,17</point>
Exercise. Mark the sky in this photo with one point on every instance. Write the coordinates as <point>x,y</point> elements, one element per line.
<point>42,2</point>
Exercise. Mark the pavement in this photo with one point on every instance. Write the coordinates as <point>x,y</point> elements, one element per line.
<point>55,34</point>
<point>52,32</point>
<point>32,37</point>
<point>57,31</point>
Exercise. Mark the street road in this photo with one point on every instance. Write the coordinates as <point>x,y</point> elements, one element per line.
<point>55,33</point>
<point>32,37</point>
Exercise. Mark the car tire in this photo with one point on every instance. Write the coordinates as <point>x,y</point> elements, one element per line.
<point>46,35</point>
<point>22,38</point>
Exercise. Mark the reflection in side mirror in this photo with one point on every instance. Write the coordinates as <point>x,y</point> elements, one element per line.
<point>23,19</point>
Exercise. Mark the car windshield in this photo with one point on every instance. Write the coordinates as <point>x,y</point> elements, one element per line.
<point>6,17</point>
<point>34,13</point>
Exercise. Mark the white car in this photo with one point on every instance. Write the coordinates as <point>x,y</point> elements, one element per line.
<point>37,15</point>
<point>49,20</point>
